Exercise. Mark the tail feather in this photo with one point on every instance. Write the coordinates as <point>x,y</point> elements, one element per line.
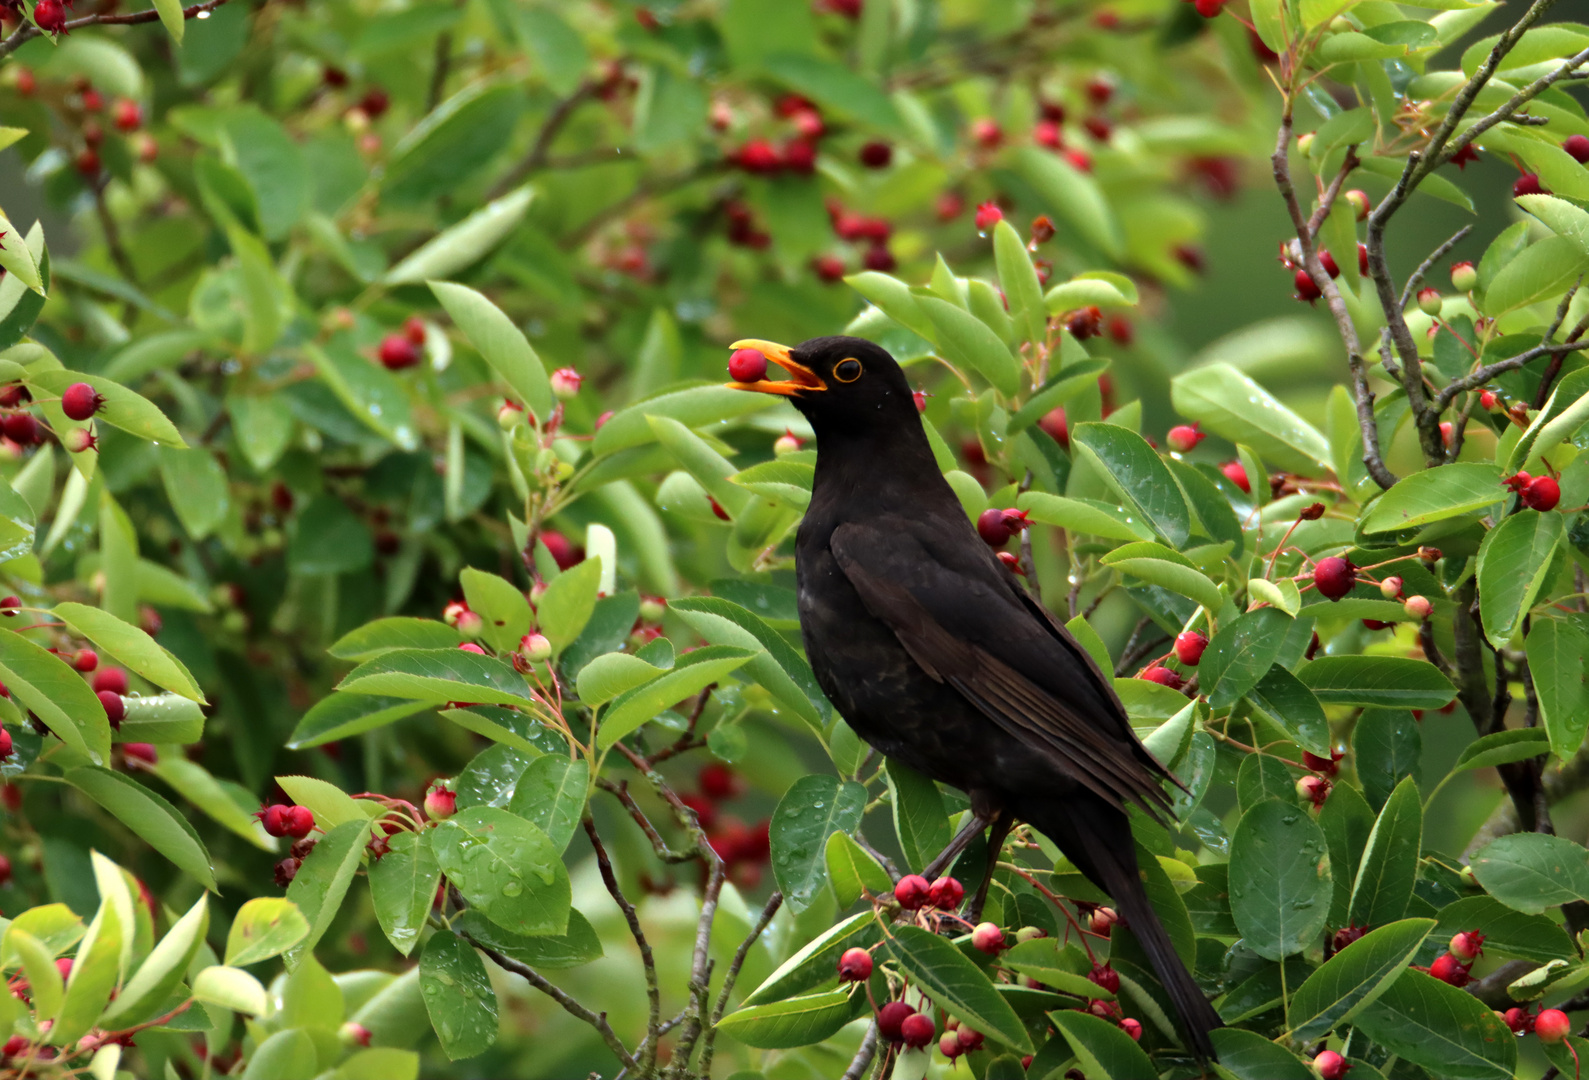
<point>1097,838</point>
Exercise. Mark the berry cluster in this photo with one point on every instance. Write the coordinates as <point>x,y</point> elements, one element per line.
<point>745,849</point>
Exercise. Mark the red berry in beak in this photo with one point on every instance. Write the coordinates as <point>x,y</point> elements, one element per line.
<point>747,366</point>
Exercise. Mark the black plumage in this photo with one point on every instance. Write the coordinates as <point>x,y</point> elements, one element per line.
<point>936,655</point>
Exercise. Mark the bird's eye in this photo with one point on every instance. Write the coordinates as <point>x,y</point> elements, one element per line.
<point>847,370</point>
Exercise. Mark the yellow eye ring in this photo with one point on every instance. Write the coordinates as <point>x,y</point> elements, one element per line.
<point>847,370</point>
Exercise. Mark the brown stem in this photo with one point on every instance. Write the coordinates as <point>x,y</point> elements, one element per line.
<point>863,1056</point>
<point>438,75</point>
<point>1410,290</point>
<point>653,991</point>
<point>542,147</point>
<point>620,791</point>
<point>774,902</point>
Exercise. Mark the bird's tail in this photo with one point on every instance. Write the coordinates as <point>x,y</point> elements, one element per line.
<point>1097,838</point>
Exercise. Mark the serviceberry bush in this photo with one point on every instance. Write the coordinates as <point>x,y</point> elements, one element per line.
<point>400,660</point>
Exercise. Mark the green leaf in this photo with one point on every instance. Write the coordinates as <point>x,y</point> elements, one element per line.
<point>458,996</point>
<point>341,716</point>
<point>816,963</point>
<point>1353,978</point>
<point>1241,653</point>
<point>1247,1055</point>
<point>792,1022</point>
<point>1279,856</point>
<point>1507,932</point>
<point>43,683</point>
<point>1085,516</point>
<point>438,675</point>
<point>968,341</point>
<point>1556,648</point>
<point>263,927</point>
<point>852,871</point>
<point>1073,197</point>
<point>1063,967</point>
<point>834,87</point>
<point>1543,270</point>
<point>1234,407</point>
<point>694,407</point>
<point>568,603</point>
<point>123,408</point>
<point>44,979</point>
<point>920,820</point>
<point>1532,871</point>
<point>503,607</point>
<point>781,670</point>
<point>1446,1030</point>
<point>163,969</point>
<point>384,635</point>
<point>451,144</point>
<point>893,298</point>
<point>1393,681</point>
<point>1139,476</point>
<point>322,881</point>
<point>286,1055</point>
<point>1088,290</point>
<point>1565,412</point>
<point>813,809</point>
<point>330,805</point>
<point>130,646</point>
<point>551,795</point>
<point>1019,279</point>
<point>1102,1049</point>
<point>502,344</point>
<point>155,821</point>
<point>230,988</point>
<point>693,672</point>
<point>199,786</point>
<point>403,888</point>
<point>1464,487</point>
<point>579,946</point>
<point>328,538</point>
<point>506,867</point>
<point>197,488</point>
<point>611,674</point>
<point>1281,696</point>
<point>1502,748</point>
<point>1387,744</point>
<point>1389,864</point>
<point>1166,574</point>
<point>95,973</point>
<point>942,972</point>
<point>1514,562</point>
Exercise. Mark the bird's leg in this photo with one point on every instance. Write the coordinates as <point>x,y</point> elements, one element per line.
<point>1001,826</point>
<point>979,820</point>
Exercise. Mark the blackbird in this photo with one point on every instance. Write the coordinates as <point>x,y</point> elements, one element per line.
<point>937,656</point>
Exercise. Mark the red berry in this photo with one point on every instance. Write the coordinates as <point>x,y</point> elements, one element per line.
<point>1099,127</point>
<point>9,606</point>
<point>1521,1021</point>
<point>855,965</point>
<point>1447,433</point>
<point>1315,789</point>
<point>128,115</point>
<point>879,258</point>
<point>946,894</point>
<point>1163,676</point>
<point>440,803</point>
<point>920,398</point>
<point>375,102</point>
<point>747,366</point>
<point>298,822</point>
<point>913,892</point>
<point>63,964</point>
<point>718,781</point>
<point>414,330</point>
<point>1100,89</point>
<point>471,647</point>
<point>1328,262</point>
<point>87,162</point>
<point>1362,259</point>
<point>1552,1026</point>
<point>1542,493</point>
<point>1464,278</point>
<point>968,1038</point>
<point>799,156</point>
<point>113,679</point>
<point>21,428</point>
<point>1467,945</point>
<point>1417,607</point>
<point>1488,401</point>
<point>877,155</point>
<point>1106,977</point>
<point>1120,329</point>
<point>1085,323</point>
<point>1327,766</point>
<point>829,268</point>
<point>891,1018</point>
<point>50,16</point>
<point>80,401</point>
<point>949,1045</point>
<point>988,215</point>
<point>1049,134</point>
<point>1236,473</point>
<point>274,819</point>
<point>85,660</point>
<point>115,707</point>
<point>1528,184</point>
<point>986,133</point>
<point>1079,160</point>
<point>1189,646</point>
<point>1183,438</point>
<point>1330,1065</point>
<point>705,809</point>
<point>1334,577</point>
<point>140,751</point>
<point>5,744</point>
<point>1306,288</point>
<point>1448,969</point>
<point>917,1030</point>
<point>992,528</point>
<point>5,870</point>
<point>1578,147</point>
<point>563,553</point>
<point>1132,1027</point>
<point>1054,424</point>
<point>397,352</point>
<point>759,156</point>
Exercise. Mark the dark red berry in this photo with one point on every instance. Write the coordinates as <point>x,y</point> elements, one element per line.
<point>1334,577</point>
<point>21,428</point>
<point>877,155</point>
<point>1106,977</point>
<point>81,401</point>
<point>1542,493</point>
<point>1306,289</point>
<point>286,870</point>
<point>917,1030</point>
<point>946,894</point>
<point>992,528</point>
<point>855,965</point>
<point>50,16</point>
<point>913,892</point>
<point>891,1018</point>
<point>1578,147</point>
<point>1528,184</point>
<point>718,781</point>
<point>113,679</point>
<point>298,821</point>
<point>115,707</point>
<point>1448,969</point>
<point>879,258</point>
<point>397,352</point>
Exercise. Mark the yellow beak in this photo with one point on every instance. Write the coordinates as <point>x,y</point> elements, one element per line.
<point>805,380</point>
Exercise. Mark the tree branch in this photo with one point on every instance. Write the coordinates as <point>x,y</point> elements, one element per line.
<point>1500,367</point>
<point>572,1007</point>
<point>665,853</point>
<point>653,991</point>
<point>774,902</point>
<point>1507,111</point>
<point>863,1056</point>
<point>1411,288</point>
<point>542,147</point>
<point>27,31</point>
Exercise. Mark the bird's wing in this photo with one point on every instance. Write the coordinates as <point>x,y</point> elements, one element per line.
<point>979,638</point>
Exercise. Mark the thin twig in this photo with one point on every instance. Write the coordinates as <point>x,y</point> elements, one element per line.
<point>863,1056</point>
<point>621,792</point>
<point>1509,109</point>
<point>653,991</point>
<point>572,1007</point>
<point>1489,371</point>
<point>27,31</point>
<point>1411,289</point>
<point>774,902</point>
<point>542,147</point>
<point>438,75</point>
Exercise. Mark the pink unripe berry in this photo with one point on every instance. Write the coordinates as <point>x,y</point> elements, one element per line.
<point>913,892</point>
<point>1429,301</point>
<point>988,215</point>
<point>78,440</point>
<point>1189,646</point>
<point>1334,577</point>
<point>1552,1026</point>
<point>141,752</point>
<point>509,416</point>
<point>353,1034</point>
<point>1236,473</point>
<point>471,647</point>
<point>535,647</point>
<point>946,894</point>
<point>81,401</point>
<point>787,443</point>
<point>1390,588</point>
<point>986,133</point>
<point>565,383</point>
<point>1132,1028</point>
<point>1101,920</point>
<point>469,623</point>
<point>1418,607</point>
<point>917,1030</point>
<point>1467,945</point>
<point>969,1038</point>
<point>1489,400</point>
<point>747,366</point>
<point>1463,276</point>
<point>855,965</point>
<point>440,803</point>
<point>1330,1065</point>
<point>1359,202</point>
<point>987,938</point>
<point>1313,788</point>
<point>1183,438</point>
<point>1030,933</point>
<point>949,1045</point>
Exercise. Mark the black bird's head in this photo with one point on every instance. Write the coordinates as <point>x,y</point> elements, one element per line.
<point>843,385</point>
